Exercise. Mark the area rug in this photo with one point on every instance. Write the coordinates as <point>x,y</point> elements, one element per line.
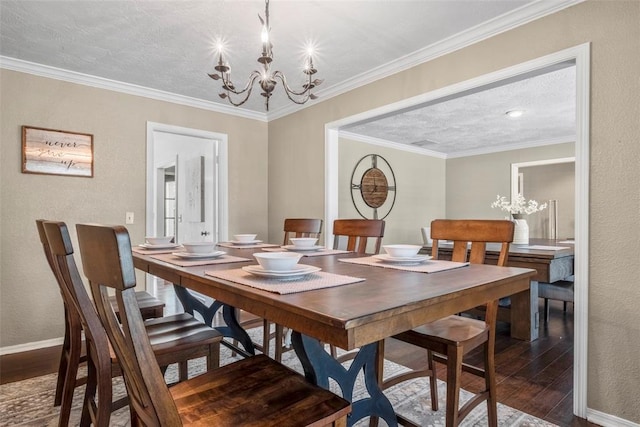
<point>30,402</point>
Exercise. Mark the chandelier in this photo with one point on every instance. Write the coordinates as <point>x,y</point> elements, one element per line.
<point>265,76</point>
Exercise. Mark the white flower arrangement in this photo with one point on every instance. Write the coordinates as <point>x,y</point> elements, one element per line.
<point>519,206</point>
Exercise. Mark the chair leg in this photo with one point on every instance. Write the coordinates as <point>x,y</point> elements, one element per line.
<point>278,343</point>
<point>64,362</point>
<point>73,361</point>
<point>546,310</point>
<point>454,373</point>
<point>490,384</point>
<point>183,371</point>
<point>266,336</point>
<point>433,381</point>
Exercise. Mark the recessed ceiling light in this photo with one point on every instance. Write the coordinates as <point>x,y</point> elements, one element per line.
<point>514,113</point>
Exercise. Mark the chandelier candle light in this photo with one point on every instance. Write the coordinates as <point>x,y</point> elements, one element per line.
<point>518,209</point>
<point>265,76</point>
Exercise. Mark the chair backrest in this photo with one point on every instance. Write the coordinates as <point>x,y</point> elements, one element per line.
<point>301,227</point>
<point>478,233</point>
<point>358,232</point>
<point>77,299</point>
<point>108,264</point>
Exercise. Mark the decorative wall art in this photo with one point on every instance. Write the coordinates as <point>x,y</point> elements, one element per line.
<point>56,152</point>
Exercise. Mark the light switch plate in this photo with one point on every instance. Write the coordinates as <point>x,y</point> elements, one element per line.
<point>129,218</point>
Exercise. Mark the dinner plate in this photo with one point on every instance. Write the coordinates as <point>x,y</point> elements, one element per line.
<point>161,246</point>
<point>298,248</point>
<point>191,255</point>
<point>252,242</point>
<point>416,259</point>
<point>281,275</point>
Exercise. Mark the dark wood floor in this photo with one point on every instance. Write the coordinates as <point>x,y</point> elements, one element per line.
<point>535,377</point>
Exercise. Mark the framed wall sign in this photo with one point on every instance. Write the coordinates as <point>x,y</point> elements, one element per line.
<point>56,152</point>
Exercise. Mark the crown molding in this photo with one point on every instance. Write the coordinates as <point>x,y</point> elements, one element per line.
<point>14,64</point>
<point>390,144</point>
<point>510,147</point>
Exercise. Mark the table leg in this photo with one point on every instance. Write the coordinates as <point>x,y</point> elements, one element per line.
<point>232,329</point>
<point>524,314</point>
<point>319,366</point>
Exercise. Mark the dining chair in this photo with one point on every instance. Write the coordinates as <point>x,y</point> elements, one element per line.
<point>358,233</point>
<point>175,339</point>
<point>301,227</point>
<point>562,290</point>
<point>150,307</point>
<point>253,391</point>
<point>454,336</point>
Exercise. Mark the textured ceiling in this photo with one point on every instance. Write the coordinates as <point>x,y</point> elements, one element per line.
<point>169,46</point>
<point>477,122</point>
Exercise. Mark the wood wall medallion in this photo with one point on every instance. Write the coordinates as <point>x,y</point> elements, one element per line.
<point>373,187</point>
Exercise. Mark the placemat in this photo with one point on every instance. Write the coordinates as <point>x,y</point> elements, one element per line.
<point>143,251</point>
<point>309,253</point>
<point>431,266</point>
<point>309,282</point>
<point>257,245</point>
<point>193,262</point>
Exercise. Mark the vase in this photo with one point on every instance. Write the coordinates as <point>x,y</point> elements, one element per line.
<point>521,232</point>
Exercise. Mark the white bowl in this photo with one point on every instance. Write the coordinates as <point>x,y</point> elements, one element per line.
<point>303,242</point>
<point>402,251</point>
<point>199,247</point>
<point>277,261</point>
<point>245,238</point>
<point>164,240</point>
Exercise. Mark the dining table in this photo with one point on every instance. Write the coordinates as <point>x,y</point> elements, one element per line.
<point>349,300</point>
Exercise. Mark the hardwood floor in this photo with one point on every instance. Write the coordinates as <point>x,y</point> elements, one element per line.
<point>535,377</point>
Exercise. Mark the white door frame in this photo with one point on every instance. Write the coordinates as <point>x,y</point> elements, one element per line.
<point>222,204</point>
<point>581,56</point>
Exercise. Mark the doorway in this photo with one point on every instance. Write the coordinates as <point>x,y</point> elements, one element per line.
<point>580,55</point>
<point>186,183</point>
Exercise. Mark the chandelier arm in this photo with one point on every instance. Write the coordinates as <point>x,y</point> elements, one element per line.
<point>253,76</point>
<point>305,90</point>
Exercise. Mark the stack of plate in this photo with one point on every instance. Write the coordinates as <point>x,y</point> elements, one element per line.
<point>414,259</point>
<point>199,255</point>
<point>299,271</point>
<point>151,246</point>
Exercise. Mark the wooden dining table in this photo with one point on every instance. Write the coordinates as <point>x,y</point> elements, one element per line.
<point>354,316</point>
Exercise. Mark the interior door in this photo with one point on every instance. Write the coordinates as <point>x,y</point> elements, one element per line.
<point>195,185</point>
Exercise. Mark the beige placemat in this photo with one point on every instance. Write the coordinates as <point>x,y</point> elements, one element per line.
<point>176,260</point>
<point>143,251</point>
<point>308,253</point>
<point>257,245</point>
<point>309,282</point>
<point>431,266</point>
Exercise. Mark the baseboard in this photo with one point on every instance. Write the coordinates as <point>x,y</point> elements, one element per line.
<point>30,346</point>
<point>607,420</point>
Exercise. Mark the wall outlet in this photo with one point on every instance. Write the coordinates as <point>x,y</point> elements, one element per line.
<point>128,218</point>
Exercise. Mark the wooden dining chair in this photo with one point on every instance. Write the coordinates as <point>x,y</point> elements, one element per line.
<point>70,358</point>
<point>175,339</point>
<point>301,227</point>
<point>562,290</point>
<point>358,233</point>
<point>454,336</point>
<point>254,391</point>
